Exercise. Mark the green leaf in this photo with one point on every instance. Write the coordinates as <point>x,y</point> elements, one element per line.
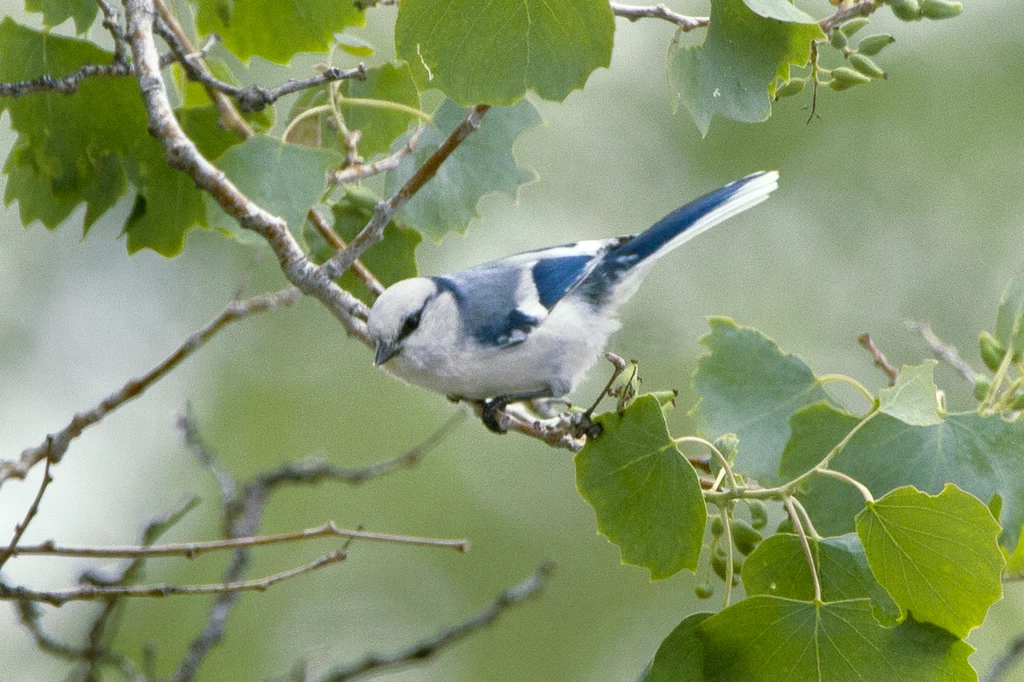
<point>749,387</point>
<point>982,455</point>
<point>69,149</point>
<point>168,204</point>
<point>749,44</point>
<point>769,639</point>
<point>56,12</point>
<point>390,82</point>
<point>276,30</point>
<point>483,163</point>
<point>285,179</point>
<point>1010,318</point>
<point>390,260</point>
<point>680,656</point>
<point>646,495</point>
<point>778,567</point>
<point>494,52</point>
<point>914,398</point>
<point>354,45</point>
<point>936,555</point>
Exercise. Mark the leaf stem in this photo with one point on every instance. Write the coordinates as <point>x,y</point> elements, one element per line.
<point>842,378</point>
<point>384,104</point>
<point>807,519</point>
<point>861,488</point>
<point>997,380</point>
<point>806,545</point>
<point>727,534</point>
<point>733,484</point>
<point>312,111</point>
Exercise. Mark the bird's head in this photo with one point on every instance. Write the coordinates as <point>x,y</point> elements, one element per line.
<point>396,315</point>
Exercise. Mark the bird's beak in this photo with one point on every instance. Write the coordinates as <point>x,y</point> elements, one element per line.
<point>385,351</point>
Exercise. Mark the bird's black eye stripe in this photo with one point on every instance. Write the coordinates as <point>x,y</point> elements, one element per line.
<point>410,325</point>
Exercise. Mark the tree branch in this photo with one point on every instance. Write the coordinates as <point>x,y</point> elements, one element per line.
<point>880,360</point>
<point>1006,662</point>
<point>19,529</point>
<point>364,170</point>
<point>858,9</point>
<point>56,444</point>
<point>635,13</point>
<point>385,211</point>
<point>944,351</point>
<point>380,662</point>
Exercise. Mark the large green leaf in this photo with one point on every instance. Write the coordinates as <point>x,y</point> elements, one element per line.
<point>69,148</point>
<point>749,387</point>
<point>646,495</point>
<point>390,82</point>
<point>680,656</point>
<point>494,52</point>
<point>936,555</point>
<point>168,204</point>
<point>276,30</point>
<point>56,12</point>
<point>778,567</point>
<point>483,163</point>
<point>769,639</point>
<point>285,179</point>
<point>749,43</point>
<point>982,455</point>
<point>914,398</point>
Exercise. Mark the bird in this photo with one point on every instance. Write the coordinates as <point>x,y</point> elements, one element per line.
<point>530,325</point>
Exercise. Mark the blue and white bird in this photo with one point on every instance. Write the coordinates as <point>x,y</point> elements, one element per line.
<point>529,326</point>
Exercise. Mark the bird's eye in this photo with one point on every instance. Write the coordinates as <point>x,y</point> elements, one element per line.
<point>410,324</point>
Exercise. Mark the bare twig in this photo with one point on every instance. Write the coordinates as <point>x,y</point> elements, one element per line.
<point>365,170</point>
<point>256,98</point>
<point>56,444</point>
<point>19,529</point>
<point>112,22</point>
<point>379,662</point>
<point>65,85</point>
<point>944,351</point>
<point>191,550</point>
<point>858,9</point>
<point>94,592</point>
<point>1005,663</point>
<point>635,13</point>
<point>338,244</point>
<point>385,211</point>
<point>880,360</point>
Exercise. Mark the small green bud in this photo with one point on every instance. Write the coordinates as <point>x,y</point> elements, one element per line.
<point>837,40</point>
<point>791,88</point>
<point>785,526</point>
<point>744,537</point>
<point>907,10</point>
<point>758,514</point>
<point>992,352</point>
<point>728,444</point>
<point>718,563</point>
<point>704,591</point>
<point>866,66</point>
<point>940,9</point>
<point>981,386</point>
<point>854,25</point>
<point>845,77</point>
<point>872,45</point>
<point>717,526</point>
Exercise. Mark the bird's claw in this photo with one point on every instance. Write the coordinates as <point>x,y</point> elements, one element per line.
<point>494,416</point>
<point>582,425</point>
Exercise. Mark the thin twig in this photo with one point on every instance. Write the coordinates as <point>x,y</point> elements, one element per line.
<point>385,211</point>
<point>380,662</point>
<point>365,170</point>
<point>1014,652</point>
<point>181,45</point>
<point>56,444</point>
<point>93,592</point>
<point>19,529</point>
<point>338,244</point>
<point>635,13</point>
<point>858,9</point>
<point>66,85</point>
<point>944,351</point>
<point>112,22</point>
<point>192,550</point>
<point>880,360</point>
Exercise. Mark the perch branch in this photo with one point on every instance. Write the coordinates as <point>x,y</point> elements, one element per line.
<point>943,350</point>
<point>880,360</point>
<point>635,13</point>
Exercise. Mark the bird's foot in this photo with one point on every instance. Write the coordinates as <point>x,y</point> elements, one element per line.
<point>494,416</point>
<point>582,425</point>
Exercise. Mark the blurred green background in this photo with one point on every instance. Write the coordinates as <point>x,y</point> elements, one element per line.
<point>903,202</point>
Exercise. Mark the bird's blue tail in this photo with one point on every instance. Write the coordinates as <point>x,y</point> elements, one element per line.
<point>685,223</point>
